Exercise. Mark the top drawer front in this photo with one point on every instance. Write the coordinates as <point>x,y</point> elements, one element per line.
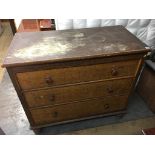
<point>53,77</point>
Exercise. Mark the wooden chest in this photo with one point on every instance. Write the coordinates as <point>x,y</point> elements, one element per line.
<point>69,75</point>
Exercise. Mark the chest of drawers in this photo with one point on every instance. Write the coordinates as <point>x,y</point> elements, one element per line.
<point>70,75</point>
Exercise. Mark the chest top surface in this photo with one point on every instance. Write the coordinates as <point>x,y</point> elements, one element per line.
<point>29,48</point>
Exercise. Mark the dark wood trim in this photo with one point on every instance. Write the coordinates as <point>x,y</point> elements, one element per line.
<point>74,63</point>
<point>114,57</point>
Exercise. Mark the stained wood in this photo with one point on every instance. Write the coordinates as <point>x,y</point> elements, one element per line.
<point>80,92</point>
<point>85,62</point>
<point>29,25</point>
<point>79,109</point>
<point>91,75</point>
<point>57,46</point>
<point>39,79</point>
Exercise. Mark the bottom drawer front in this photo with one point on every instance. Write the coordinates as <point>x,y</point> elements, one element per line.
<point>78,110</point>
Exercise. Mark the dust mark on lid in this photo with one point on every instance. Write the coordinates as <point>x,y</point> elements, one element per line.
<point>147,47</point>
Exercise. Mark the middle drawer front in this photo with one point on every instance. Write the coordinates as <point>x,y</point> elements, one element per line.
<point>79,92</point>
<point>79,110</point>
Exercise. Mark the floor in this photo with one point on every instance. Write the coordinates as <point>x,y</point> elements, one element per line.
<point>14,121</point>
<point>5,40</point>
<point>125,128</point>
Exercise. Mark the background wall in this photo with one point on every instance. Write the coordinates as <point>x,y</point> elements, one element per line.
<point>144,29</point>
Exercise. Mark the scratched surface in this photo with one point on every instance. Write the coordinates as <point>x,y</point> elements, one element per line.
<point>32,47</point>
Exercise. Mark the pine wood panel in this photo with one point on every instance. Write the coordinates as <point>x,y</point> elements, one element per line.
<point>79,109</point>
<point>62,95</point>
<point>48,78</point>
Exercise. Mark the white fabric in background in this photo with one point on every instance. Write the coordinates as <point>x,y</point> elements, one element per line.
<point>144,29</point>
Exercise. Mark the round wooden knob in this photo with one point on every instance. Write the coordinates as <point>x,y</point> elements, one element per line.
<point>114,72</point>
<point>106,106</point>
<point>110,90</point>
<point>55,114</point>
<point>41,97</point>
<point>49,80</point>
<point>52,97</point>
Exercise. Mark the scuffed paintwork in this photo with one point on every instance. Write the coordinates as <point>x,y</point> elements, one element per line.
<point>79,35</point>
<point>109,47</point>
<point>55,46</point>
<point>50,46</point>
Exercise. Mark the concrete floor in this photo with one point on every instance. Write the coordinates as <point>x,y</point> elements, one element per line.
<point>5,40</point>
<point>14,121</point>
<point>125,128</point>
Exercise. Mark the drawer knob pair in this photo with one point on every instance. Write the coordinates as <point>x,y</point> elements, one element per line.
<point>48,80</point>
<point>114,72</point>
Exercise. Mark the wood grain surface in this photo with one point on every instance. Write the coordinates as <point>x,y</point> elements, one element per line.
<point>63,45</point>
<point>70,75</point>
<point>79,109</point>
<point>79,92</point>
